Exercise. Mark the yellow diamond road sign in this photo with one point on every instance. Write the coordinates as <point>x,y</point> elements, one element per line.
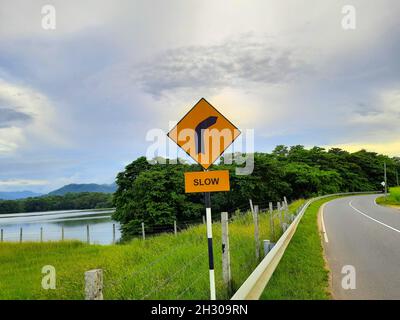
<point>204,133</point>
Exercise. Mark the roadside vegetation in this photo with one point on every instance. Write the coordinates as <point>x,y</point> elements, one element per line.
<point>393,199</point>
<point>161,267</point>
<point>301,274</point>
<point>70,201</point>
<point>154,193</point>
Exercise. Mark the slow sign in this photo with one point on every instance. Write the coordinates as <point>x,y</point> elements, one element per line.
<point>207,181</point>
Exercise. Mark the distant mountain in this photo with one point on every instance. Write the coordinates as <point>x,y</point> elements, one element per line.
<point>91,187</point>
<point>14,195</point>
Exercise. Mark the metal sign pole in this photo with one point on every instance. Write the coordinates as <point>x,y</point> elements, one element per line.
<point>210,245</point>
<point>201,117</point>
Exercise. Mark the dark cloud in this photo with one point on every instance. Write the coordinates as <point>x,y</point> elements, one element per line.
<point>364,109</point>
<point>8,117</point>
<point>229,64</point>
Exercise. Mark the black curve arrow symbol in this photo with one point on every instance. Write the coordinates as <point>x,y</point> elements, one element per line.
<point>200,131</point>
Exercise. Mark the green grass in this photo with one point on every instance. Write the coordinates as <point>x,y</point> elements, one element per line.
<point>161,267</point>
<point>393,199</point>
<point>301,274</point>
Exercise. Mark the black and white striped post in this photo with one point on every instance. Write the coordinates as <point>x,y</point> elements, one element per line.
<point>210,245</point>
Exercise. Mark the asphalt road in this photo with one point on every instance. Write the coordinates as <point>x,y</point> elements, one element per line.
<point>364,235</point>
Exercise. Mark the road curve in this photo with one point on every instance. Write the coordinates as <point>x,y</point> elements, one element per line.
<point>362,234</point>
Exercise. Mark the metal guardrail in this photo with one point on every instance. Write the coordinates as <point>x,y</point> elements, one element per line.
<point>255,284</point>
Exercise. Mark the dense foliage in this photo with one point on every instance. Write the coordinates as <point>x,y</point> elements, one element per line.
<point>154,193</point>
<point>70,201</point>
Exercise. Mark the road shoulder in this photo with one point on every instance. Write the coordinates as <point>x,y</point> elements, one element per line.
<point>324,239</point>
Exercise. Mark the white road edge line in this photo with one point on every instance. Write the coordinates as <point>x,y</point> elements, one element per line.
<point>323,224</point>
<point>367,216</point>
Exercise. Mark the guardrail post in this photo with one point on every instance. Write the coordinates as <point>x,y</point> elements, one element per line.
<point>94,284</point>
<point>62,233</point>
<point>256,233</point>
<point>143,232</point>
<point>175,228</point>
<point>226,258</point>
<point>41,234</point>
<point>20,235</point>
<point>267,246</point>
<point>2,235</point>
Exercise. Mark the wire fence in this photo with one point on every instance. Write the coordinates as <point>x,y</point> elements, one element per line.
<point>92,234</point>
<point>174,265</point>
<point>180,272</point>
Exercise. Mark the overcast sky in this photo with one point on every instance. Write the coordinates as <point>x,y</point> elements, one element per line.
<point>76,102</point>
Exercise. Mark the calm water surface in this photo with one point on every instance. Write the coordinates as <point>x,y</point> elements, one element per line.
<point>74,222</point>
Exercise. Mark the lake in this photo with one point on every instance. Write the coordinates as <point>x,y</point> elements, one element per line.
<point>73,222</point>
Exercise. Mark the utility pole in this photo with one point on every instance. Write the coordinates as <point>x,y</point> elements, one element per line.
<point>384,166</point>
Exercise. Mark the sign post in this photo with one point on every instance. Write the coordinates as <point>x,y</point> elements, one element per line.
<point>385,176</point>
<point>207,197</point>
<point>204,134</point>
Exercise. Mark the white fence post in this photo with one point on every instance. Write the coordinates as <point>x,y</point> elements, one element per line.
<point>41,234</point>
<point>226,258</point>
<point>94,284</point>
<point>204,220</point>
<point>20,235</point>
<point>256,233</point>
<point>175,228</point>
<point>251,206</point>
<point>279,213</point>
<point>143,232</point>
<point>113,241</point>
<point>2,235</point>
<point>87,234</point>
<point>271,221</point>
<point>286,214</point>
<point>62,233</point>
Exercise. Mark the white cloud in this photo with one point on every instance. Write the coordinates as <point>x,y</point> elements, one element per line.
<point>112,70</point>
<point>27,115</point>
<point>387,147</point>
<point>384,113</point>
<point>22,182</point>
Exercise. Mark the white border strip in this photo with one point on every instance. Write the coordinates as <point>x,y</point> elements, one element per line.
<point>377,221</point>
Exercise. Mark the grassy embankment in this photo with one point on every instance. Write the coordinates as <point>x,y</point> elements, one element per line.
<point>301,274</point>
<point>161,267</point>
<point>393,199</point>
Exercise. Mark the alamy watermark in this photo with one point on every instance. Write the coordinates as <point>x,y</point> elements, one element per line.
<point>49,18</point>
<point>349,279</point>
<point>49,278</point>
<point>349,20</point>
<point>162,147</point>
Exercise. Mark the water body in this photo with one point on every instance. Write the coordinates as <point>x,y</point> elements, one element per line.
<point>74,223</point>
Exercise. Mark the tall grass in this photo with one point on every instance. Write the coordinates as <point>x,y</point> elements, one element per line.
<point>392,199</point>
<point>301,274</point>
<point>160,267</point>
